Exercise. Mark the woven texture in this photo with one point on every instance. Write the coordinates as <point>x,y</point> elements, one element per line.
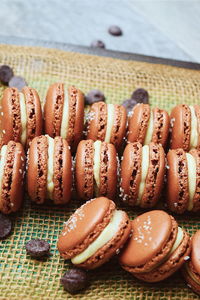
<point>25,278</point>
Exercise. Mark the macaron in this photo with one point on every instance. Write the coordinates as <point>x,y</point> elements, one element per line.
<point>20,116</point>
<point>157,248</point>
<point>183,180</point>
<point>107,122</point>
<point>142,174</point>
<point>185,127</point>
<point>12,170</point>
<point>96,169</point>
<point>94,233</point>
<point>64,113</point>
<point>191,269</point>
<point>49,174</point>
<point>147,125</point>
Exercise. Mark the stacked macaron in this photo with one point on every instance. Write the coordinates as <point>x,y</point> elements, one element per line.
<point>94,233</point>
<point>96,169</point>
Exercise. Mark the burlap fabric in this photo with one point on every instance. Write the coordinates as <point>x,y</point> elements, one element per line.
<point>24,278</point>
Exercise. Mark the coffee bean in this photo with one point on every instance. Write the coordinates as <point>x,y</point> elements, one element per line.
<point>141,96</point>
<point>129,104</point>
<point>37,248</point>
<point>94,96</point>
<point>17,82</point>
<point>74,280</point>
<point>5,226</point>
<point>97,44</point>
<point>115,30</point>
<point>6,73</point>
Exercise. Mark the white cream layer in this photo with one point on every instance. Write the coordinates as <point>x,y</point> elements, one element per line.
<point>50,170</point>
<point>144,171</point>
<point>23,117</point>
<point>149,133</point>
<point>65,116</point>
<point>194,129</point>
<point>191,163</point>
<point>110,121</point>
<point>96,165</point>
<point>106,235</point>
<point>3,152</point>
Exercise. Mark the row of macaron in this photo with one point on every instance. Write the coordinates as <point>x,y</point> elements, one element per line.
<point>151,247</point>
<point>22,118</point>
<point>139,179</point>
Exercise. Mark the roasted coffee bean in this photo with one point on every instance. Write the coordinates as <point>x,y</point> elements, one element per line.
<point>74,280</point>
<point>94,96</point>
<point>129,104</point>
<point>6,73</point>
<point>115,30</point>
<point>5,226</point>
<point>17,82</point>
<point>37,248</point>
<point>141,96</point>
<point>97,44</point>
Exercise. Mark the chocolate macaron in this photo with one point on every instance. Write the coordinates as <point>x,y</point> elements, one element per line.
<point>191,269</point>
<point>49,174</point>
<point>20,116</point>
<point>107,122</point>
<point>94,233</point>
<point>12,170</point>
<point>157,247</point>
<point>185,127</point>
<point>183,180</point>
<point>142,174</point>
<point>64,113</point>
<point>147,125</point>
<point>96,169</point>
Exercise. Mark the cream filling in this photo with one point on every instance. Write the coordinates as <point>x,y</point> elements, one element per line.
<point>194,129</point>
<point>144,171</point>
<point>106,235</point>
<point>3,152</point>
<point>191,163</point>
<point>190,273</point>
<point>50,171</point>
<point>23,116</point>
<point>110,121</point>
<point>149,133</point>
<point>96,165</point>
<point>65,116</point>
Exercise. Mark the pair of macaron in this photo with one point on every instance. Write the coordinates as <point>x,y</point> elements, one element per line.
<point>94,233</point>
<point>96,169</point>
<point>106,122</point>
<point>146,124</point>
<point>185,127</point>
<point>183,180</point>
<point>49,173</point>
<point>12,170</point>
<point>142,174</point>
<point>191,269</point>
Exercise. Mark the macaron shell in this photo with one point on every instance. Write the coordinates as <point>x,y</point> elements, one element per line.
<point>197,112</point>
<point>131,172</point>
<point>177,181</point>
<point>119,126</point>
<point>62,176</point>
<point>161,126</point>
<point>10,120</point>
<point>84,169</point>
<point>196,200</point>
<point>175,261</point>
<point>195,255</point>
<point>84,226</point>
<point>155,176</point>
<point>180,133</point>
<point>138,123</point>
<point>195,286</point>
<point>110,248</point>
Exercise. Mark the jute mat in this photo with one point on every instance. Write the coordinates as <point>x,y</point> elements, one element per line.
<point>25,278</point>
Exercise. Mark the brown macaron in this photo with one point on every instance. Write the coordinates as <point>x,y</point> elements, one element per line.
<point>191,269</point>
<point>147,125</point>
<point>94,233</point>
<point>107,122</point>
<point>183,180</point>
<point>157,247</point>
<point>96,169</point>
<point>12,170</point>
<point>64,113</point>
<point>20,116</point>
<point>142,174</point>
<point>49,173</point>
<point>185,127</point>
